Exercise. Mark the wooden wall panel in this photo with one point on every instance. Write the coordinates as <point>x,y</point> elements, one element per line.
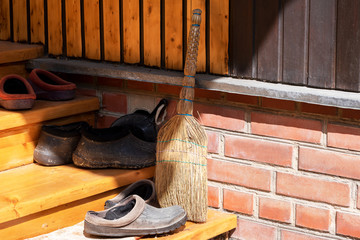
<point>73,28</point>
<point>322,43</point>
<point>92,29</point>
<point>55,34</point>
<point>348,45</point>
<point>37,23</point>
<point>111,16</point>
<point>173,35</point>
<point>131,31</point>
<point>241,38</point>
<point>295,38</point>
<point>152,32</point>
<point>20,27</point>
<point>266,39</point>
<point>219,36</point>
<point>5,20</point>
<point>198,4</point>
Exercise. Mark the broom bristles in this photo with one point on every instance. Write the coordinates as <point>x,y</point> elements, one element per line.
<point>181,171</point>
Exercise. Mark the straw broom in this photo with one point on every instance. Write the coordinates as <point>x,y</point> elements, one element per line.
<point>181,172</point>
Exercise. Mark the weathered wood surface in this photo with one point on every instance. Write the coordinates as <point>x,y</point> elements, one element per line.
<point>5,20</point>
<point>92,29</point>
<point>131,31</point>
<point>55,27</point>
<point>111,30</point>
<point>73,28</point>
<point>16,52</point>
<point>37,23</point>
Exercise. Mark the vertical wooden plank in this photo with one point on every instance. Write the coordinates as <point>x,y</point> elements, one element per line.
<point>219,36</point>
<point>73,28</point>
<point>111,17</point>
<point>322,43</point>
<point>54,25</point>
<point>266,39</point>
<point>92,29</point>
<point>5,20</point>
<point>37,24</point>
<point>241,38</point>
<point>152,32</point>
<point>131,31</point>
<point>174,35</point>
<point>20,21</point>
<point>348,45</point>
<point>294,56</point>
<point>198,4</point>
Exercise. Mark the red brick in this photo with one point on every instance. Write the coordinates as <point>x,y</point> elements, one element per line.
<point>242,175</point>
<point>137,85</point>
<point>105,121</point>
<point>238,201</point>
<point>86,92</point>
<point>213,142</point>
<point>251,100</point>
<point>350,113</point>
<point>168,89</point>
<point>278,104</point>
<point>274,209</point>
<point>329,162</point>
<point>318,109</point>
<point>348,224</point>
<point>110,82</point>
<point>115,102</point>
<point>314,218</point>
<point>347,137</point>
<point>248,149</point>
<point>213,196</point>
<point>313,189</point>
<point>288,235</point>
<point>171,109</point>
<point>220,117</point>
<point>249,230</point>
<point>208,94</point>
<point>286,127</point>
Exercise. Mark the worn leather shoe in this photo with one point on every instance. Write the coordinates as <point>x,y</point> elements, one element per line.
<point>16,93</point>
<point>48,86</point>
<point>114,147</point>
<point>133,217</point>
<point>57,143</point>
<point>143,188</point>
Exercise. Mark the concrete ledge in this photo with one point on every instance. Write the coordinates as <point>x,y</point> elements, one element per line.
<point>324,97</point>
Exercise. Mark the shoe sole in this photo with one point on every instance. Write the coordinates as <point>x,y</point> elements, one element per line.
<point>120,232</point>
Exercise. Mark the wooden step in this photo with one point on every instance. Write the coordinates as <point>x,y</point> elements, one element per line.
<point>13,57</point>
<point>19,130</point>
<point>37,199</point>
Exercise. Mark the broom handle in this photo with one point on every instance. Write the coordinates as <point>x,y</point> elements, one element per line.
<point>185,105</point>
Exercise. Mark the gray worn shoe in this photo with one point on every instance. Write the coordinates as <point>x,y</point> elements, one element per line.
<point>143,188</point>
<point>133,217</point>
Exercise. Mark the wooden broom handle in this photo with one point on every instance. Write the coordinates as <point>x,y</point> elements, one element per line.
<point>185,106</point>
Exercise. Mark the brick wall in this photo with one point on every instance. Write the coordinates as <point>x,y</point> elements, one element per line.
<point>288,170</point>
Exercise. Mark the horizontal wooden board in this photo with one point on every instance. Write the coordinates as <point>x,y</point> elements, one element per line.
<point>46,110</point>
<point>14,52</point>
<point>33,188</point>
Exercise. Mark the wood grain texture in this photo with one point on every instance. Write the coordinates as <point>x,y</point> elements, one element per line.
<point>73,28</point>
<point>46,110</point>
<point>322,43</point>
<point>5,20</point>
<point>241,38</point>
<point>131,31</point>
<point>198,4</point>
<point>10,68</point>
<point>266,39</point>
<point>111,16</point>
<point>34,189</point>
<point>173,35</point>
<point>55,34</point>
<point>20,21</point>
<point>295,39</point>
<point>14,52</point>
<point>37,23</point>
<point>219,36</point>
<point>92,29</point>
<point>152,32</point>
<point>348,46</point>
